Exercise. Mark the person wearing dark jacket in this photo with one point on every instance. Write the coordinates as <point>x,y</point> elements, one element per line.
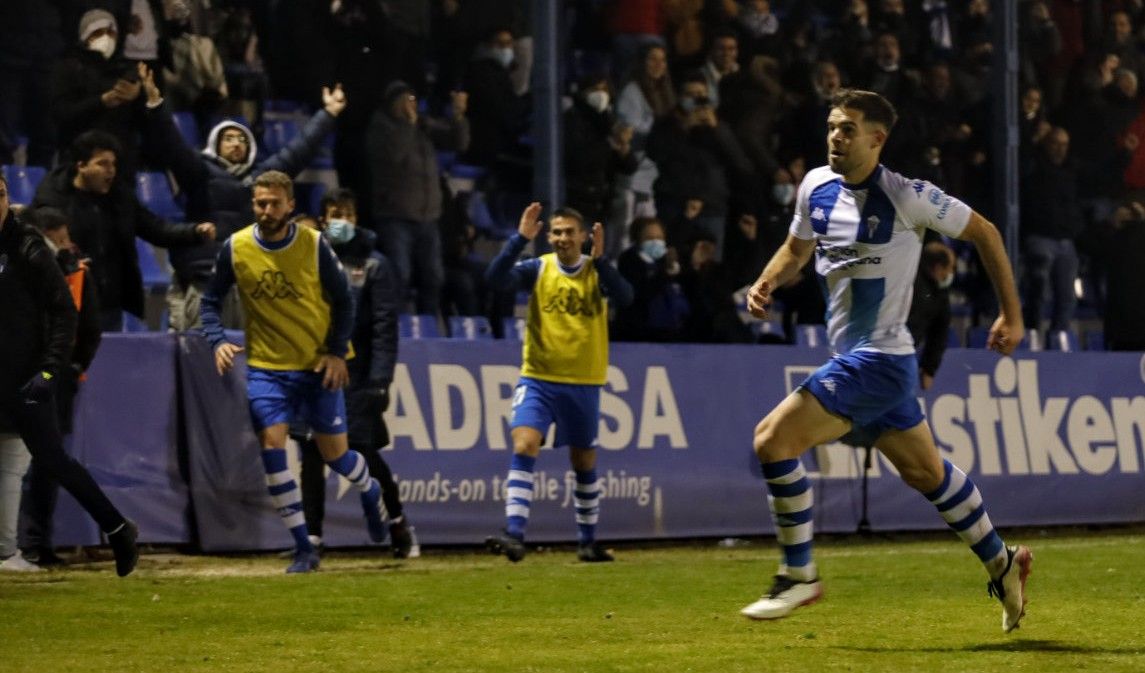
<point>35,347</point>
<point>105,217</point>
<point>217,181</point>
<point>94,88</point>
<point>599,149</point>
<point>406,188</point>
<point>38,506</point>
<point>30,43</point>
<point>498,115</point>
<point>658,310</point>
<point>929,317</point>
<point>375,341</point>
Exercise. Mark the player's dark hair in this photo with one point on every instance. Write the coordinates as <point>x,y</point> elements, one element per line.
<point>569,213</point>
<point>46,218</point>
<point>874,107</point>
<point>636,229</point>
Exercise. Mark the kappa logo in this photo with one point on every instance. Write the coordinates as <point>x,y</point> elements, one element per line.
<point>918,186</point>
<point>818,214</point>
<point>872,225</point>
<point>337,421</point>
<point>274,285</point>
<point>829,385</point>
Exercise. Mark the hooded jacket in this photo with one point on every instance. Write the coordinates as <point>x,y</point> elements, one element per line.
<point>218,191</point>
<point>105,227</point>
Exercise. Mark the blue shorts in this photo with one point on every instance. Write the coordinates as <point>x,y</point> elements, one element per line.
<point>574,408</point>
<point>283,396</point>
<point>875,391</point>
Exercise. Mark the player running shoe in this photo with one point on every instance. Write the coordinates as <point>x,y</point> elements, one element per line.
<point>785,595</point>
<point>1010,587</point>
<point>506,544</point>
<point>593,552</point>
<point>305,560</point>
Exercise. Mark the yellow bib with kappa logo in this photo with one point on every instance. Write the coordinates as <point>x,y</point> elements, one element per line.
<point>286,315</point>
<point>566,332</point>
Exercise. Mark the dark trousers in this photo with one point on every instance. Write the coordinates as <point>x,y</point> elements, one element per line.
<point>415,250</point>
<point>38,425</point>
<point>1051,264</point>
<point>314,484</point>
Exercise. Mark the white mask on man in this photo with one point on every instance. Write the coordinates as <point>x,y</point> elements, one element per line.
<point>104,45</point>
<point>597,100</point>
<point>504,56</point>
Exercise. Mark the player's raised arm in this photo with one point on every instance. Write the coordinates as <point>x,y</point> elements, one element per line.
<point>1008,330</point>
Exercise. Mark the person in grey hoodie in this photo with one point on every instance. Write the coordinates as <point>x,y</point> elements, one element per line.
<point>217,182</point>
<point>405,187</point>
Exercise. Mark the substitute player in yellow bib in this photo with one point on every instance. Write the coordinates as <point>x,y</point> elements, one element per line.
<point>298,316</point>
<point>564,364</point>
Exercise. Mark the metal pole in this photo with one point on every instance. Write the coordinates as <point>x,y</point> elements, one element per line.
<point>1004,85</point>
<point>548,180</point>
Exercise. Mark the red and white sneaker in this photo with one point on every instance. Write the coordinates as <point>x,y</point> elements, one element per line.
<point>785,595</point>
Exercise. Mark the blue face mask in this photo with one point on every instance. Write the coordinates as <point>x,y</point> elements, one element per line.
<point>339,231</point>
<point>783,194</point>
<point>654,248</point>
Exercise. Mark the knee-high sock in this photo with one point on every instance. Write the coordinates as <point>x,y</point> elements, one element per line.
<point>587,497</point>
<point>790,502</point>
<point>520,495</point>
<point>960,504</point>
<point>353,466</point>
<point>286,495</point>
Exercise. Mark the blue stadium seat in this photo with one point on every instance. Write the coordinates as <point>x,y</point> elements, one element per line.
<point>133,324</point>
<point>976,337</point>
<point>812,336</point>
<point>22,183</point>
<point>770,331</point>
<point>155,278</point>
<point>470,327</point>
<point>185,122</point>
<point>1095,340</point>
<point>445,160</point>
<point>278,134</point>
<point>1062,340</point>
<point>417,326</point>
<point>154,192</point>
<point>308,197</point>
<point>952,338</point>
<point>284,106</point>
<point>514,328</point>
<point>459,170</point>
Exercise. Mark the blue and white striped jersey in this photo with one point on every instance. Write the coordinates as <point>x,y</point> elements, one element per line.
<point>868,242</point>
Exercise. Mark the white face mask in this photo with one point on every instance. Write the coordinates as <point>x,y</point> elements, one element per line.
<point>783,194</point>
<point>945,283</point>
<point>597,100</point>
<point>104,45</point>
<point>504,56</point>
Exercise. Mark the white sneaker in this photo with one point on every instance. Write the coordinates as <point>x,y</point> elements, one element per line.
<point>785,595</point>
<point>1010,587</point>
<point>16,563</point>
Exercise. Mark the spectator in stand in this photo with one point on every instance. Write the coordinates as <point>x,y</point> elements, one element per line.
<point>38,506</point>
<point>31,40</point>
<point>647,97</point>
<point>406,188</point>
<point>35,346</point>
<point>752,100</point>
<point>698,158</point>
<point>144,31</point>
<point>722,61</point>
<point>853,40</point>
<point>708,288</point>
<point>658,310</point>
<point>1051,220</point>
<point>1032,122</point>
<point>759,30</point>
<point>105,217</point>
<point>93,89</point>
<point>1039,43</point>
<point>247,82</point>
<point>1124,249</point>
<point>598,151</point>
<point>194,80</point>
<point>806,123</point>
<point>891,17</point>
<point>635,25</point>
<point>929,318</point>
<point>497,115</point>
<point>1121,41</point>
<point>684,29</point>
<point>217,182</point>
<point>885,73</point>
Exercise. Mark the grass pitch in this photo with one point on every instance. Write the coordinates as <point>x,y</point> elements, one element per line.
<point>889,606</point>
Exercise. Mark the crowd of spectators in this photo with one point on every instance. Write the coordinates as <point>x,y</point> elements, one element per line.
<point>688,125</point>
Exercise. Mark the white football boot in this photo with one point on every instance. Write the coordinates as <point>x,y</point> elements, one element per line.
<point>784,596</point>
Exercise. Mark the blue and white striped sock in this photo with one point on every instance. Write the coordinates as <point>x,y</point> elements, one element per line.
<point>587,501</point>
<point>352,466</point>
<point>960,504</point>
<point>791,500</point>
<point>286,496</point>
<point>520,495</point>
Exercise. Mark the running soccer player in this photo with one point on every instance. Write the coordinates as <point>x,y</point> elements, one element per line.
<point>564,365</point>
<point>298,314</point>
<point>866,223</point>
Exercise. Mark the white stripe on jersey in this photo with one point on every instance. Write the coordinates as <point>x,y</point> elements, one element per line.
<point>868,241</point>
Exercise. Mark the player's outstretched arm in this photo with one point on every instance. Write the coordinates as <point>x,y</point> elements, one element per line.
<point>1008,330</point>
<point>784,264</point>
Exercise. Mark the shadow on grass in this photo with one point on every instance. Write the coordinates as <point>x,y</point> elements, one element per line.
<point>1012,646</point>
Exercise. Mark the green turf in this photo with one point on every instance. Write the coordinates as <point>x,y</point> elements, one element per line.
<point>903,606</point>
